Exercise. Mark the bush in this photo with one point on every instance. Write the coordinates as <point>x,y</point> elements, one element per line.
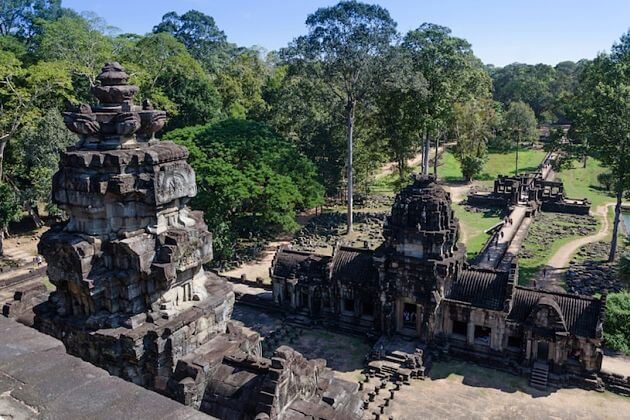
<point>606,180</point>
<point>624,266</point>
<point>471,166</point>
<point>617,323</point>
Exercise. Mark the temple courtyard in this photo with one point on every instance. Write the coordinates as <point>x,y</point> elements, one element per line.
<point>459,390</point>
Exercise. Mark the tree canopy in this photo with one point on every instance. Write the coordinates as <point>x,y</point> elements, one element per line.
<point>603,117</point>
<point>250,179</point>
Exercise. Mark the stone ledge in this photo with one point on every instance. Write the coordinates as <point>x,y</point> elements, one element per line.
<point>39,380</point>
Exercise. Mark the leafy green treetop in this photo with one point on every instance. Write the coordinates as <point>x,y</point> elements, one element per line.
<point>519,125</point>
<point>604,117</point>
<point>343,47</point>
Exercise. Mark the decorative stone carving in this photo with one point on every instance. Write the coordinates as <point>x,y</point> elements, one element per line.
<point>115,122</point>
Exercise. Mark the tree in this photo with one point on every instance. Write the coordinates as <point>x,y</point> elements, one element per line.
<point>10,210</point>
<point>25,92</point>
<point>604,96</point>
<point>473,123</point>
<point>519,125</point>
<point>41,143</point>
<point>525,83</point>
<point>343,47</point>
<point>624,265</point>
<point>200,35</point>
<point>399,85</point>
<point>452,73</point>
<point>172,79</point>
<point>617,326</point>
<point>20,17</point>
<point>81,44</point>
<point>302,110</point>
<point>241,82</point>
<point>250,180</point>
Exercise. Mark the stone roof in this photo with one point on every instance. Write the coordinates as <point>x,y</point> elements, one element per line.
<point>581,313</point>
<point>291,263</point>
<point>354,265</point>
<point>481,288</point>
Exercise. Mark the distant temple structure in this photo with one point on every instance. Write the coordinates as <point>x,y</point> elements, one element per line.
<point>418,284</point>
<point>531,187</point>
<point>131,293</point>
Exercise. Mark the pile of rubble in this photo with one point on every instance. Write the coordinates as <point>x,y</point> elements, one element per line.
<point>387,371</point>
<point>326,229</point>
<point>589,273</point>
<point>550,227</point>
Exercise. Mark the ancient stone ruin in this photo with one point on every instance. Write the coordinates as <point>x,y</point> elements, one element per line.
<point>418,285</point>
<point>536,188</point>
<point>132,295</point>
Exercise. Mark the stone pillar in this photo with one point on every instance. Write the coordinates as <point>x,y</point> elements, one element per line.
<point>470,332</point>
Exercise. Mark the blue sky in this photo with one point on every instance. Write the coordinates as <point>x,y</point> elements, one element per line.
<point>501,32</point>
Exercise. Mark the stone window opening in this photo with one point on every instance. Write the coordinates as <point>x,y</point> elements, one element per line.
<point>460,328</point>
<point>482,335</point>
<point>367,308</point>
<point>348,305</point>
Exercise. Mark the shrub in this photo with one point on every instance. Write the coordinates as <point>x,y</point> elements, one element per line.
<point>617,323</point>
<point>606,180</point>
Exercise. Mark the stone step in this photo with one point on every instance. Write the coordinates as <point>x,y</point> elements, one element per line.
<point>539,376</point>
<point>394,359</point>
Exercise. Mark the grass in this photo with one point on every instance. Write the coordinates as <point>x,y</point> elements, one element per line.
<point>474,224</point>
<point>546,236</point>
<point>497,164</point>
<point>582,182</point>
<point>48,284</point>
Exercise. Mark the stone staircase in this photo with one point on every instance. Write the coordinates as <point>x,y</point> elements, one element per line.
<point>539,375</point>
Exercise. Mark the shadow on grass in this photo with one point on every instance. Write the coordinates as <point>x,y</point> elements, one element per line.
<point>479,376</point>
<point>526,275</point>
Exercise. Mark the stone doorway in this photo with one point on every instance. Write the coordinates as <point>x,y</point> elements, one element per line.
<point>409,318</point>
<point>542,354</point>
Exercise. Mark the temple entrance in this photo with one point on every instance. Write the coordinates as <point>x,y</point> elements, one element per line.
<point>409,316</point>
<point>543,351</point>
<point>408,319</point>
<point>317,305</point>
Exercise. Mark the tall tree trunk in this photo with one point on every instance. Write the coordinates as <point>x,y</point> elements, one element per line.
<point>3,144</point>
<point>32,212</point>
<point>584,157</point>
<point>350,127</point>
<point>425,154</point>
<point>435,158</point>
<point>1,242</point>
<point>518,141</point>
<point>613,242</point>
<point>401,168</point>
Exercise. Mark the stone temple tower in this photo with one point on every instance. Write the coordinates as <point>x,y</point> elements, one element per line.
<point>131,252</point>
<point>131,293</point>
<point>419,258</point>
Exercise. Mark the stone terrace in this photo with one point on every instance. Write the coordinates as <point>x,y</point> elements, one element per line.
<point>39,380</point>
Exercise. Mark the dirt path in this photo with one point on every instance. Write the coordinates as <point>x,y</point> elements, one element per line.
<point>458,193</point>
<point>261,265</point>
<point>553,272</point>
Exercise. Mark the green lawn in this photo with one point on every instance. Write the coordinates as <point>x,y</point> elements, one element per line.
<point>474,225</point>
<point>497,164</point>
<point>582,182</point>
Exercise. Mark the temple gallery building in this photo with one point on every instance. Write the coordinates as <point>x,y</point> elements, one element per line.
<point>418,284</point>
